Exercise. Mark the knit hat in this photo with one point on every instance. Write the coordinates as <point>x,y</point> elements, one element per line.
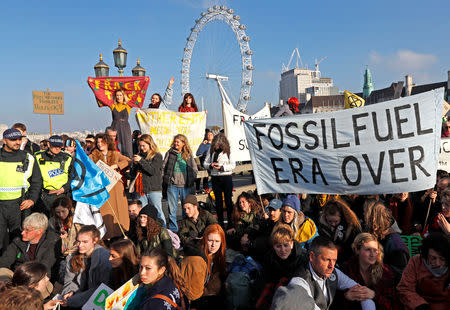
<point>150,211</point>
<point>293,202</point>
<point>191,199</point>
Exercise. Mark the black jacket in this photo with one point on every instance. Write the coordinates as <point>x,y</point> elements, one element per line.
<point>46,252</point>
<point>276,268</point>
<point>151,173</point>
<point>35,179</point>
<point>31,147</point>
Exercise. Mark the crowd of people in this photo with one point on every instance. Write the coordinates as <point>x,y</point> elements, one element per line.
<point>271,251</point>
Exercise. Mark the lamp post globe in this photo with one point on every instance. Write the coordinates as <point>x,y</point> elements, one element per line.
<point>101,69</point>
<point>138,70</point>
<point>120,58</point>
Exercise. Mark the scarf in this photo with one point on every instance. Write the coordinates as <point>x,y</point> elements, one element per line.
<point>437,272</point>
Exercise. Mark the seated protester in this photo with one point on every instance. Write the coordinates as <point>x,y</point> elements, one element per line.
<point>339,224</point>
<point>310,206</point>
<point>124,261</point>
<point>367,268</point>
<point>379,222</point>
<point>425,280</point>
<point>213,246</point>
<point>160,273</point>
<point>61,222</point>
<point>441,222</point>
<point>86,269</point>
<point>194,270</point>
<point>257,245</point>
<point>33,275</point>
<point>36,244</point>
<point>304,228</point>
<point>401,207</point>
<point>320,279</point>
<point>134,207</point>
<point>21,297</point>
<point>197,219</point>
<point>247,216</point>
<point>150,233</point>
<point>280,263</point>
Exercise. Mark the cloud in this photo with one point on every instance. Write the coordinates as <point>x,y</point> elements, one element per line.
<point>404,61</point>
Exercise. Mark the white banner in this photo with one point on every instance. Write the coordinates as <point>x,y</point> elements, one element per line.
<point>234,129</point>
<point>388,147</point>
<point>163,125</point>
<point>444,155</point>
<point>112,175</point>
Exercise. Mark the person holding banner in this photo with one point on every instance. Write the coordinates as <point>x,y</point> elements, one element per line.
<point>220,163</point>
<point>86,269</point>
<point>115,210</point>
<point>188,104</point>
<point>120,112</point>
<point>179,174</point>
<point>147,165</point>
<point>304,228</point>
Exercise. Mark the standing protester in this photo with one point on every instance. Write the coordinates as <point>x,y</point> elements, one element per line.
<point>20,184</point>
<point>188,104</point>
<point>56,169</point>
<point>27,145</point>
<point>90,144</point>
<point>120,112</point>
<point>179,174</point>
<point>156,99</point>
<point>221,164</point>
<point>147,166</point>
<point>114,211</point>
<point>43,145</point>
<point>202,153</point>
<point>289,109</point>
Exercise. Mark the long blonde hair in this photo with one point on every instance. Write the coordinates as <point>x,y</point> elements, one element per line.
<point>186,152</point>
<point>375,270</point>
<point>378,219</point>
<point>125,98</point>
<point>152,145</point>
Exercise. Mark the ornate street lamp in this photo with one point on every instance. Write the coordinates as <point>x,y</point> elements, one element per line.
<point>138,70</point>
<point>101,69</point>
<point>120,58</point>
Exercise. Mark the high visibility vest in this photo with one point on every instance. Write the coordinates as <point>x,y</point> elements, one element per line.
<point>14,178</point>
<point>54,173</point>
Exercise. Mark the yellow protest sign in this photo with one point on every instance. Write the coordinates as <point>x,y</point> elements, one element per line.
<point>163,125</point>
<point>352,100</point>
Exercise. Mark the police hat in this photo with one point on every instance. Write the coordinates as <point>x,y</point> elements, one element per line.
<point>56,141</point>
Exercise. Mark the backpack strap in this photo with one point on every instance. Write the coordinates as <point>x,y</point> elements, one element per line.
<point>165,298</point>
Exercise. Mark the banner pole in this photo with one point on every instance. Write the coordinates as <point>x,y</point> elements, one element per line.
<point>50,118</point>
<point>117,219</point>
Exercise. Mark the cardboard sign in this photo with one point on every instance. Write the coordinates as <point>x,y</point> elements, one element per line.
<point>163,125</point>
<point>444,155</point>
<point>98,299</point>
<point>45,102</point>
<point>388,147</point>
<point>112,175</point>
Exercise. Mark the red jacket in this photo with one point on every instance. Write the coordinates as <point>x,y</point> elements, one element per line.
<point>418,286</point>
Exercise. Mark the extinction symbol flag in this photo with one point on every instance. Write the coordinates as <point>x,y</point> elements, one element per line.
<point>352,100</point>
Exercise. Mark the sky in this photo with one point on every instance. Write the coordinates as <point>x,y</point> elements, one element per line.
<point>55,44</point>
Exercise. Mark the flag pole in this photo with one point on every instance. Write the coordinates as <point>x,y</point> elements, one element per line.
<point>117,219</point>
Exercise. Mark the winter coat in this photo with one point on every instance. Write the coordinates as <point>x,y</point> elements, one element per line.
<point>275,268</point>
<point>190,230</point>
<point>151,173</point>
<point>248,223</point>
<point>194,268</point>
<point>306,232</point>
<point>68,244</point>
<point>46,252</point>
<point>162,240</point>
<point>396,254</point>
<point>117,200</point>
<point>168,166</point>
<point>226,162</point>
<point>385,294</point>
<point>167,288</point>
<point>419,286</point>
<point>84,283</point>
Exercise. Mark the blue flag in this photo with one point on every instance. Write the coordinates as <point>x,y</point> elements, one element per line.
<point>89,183</point>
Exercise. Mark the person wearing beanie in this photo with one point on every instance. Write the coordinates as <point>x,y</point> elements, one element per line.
<point>150,233</point>
<point>304,228</point>
<point>197,219</point>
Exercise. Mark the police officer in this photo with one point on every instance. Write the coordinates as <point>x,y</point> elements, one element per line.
<point>20,184</point>
<point>56,168</point>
